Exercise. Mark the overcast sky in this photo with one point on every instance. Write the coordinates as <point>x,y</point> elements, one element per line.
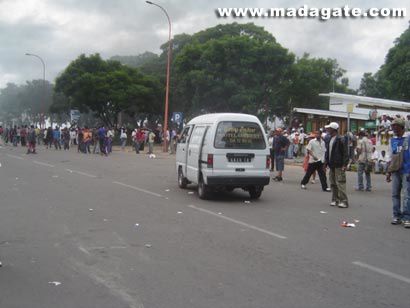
<point>60,30</point>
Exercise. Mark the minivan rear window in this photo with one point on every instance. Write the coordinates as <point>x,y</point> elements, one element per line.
<point>239,135</point>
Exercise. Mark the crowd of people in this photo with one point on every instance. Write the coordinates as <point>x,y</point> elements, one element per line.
<point>321,150</point>
<point>95,140</point>
<point>327,149</point>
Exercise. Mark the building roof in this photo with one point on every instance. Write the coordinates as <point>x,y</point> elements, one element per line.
<point>369,101</point>
<point>328,113</point>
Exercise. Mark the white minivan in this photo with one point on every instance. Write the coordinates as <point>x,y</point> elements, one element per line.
<point>223,151</point>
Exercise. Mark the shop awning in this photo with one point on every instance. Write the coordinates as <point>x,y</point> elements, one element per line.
<point>335,114</point>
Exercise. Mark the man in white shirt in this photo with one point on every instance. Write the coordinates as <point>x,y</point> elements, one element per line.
<point>316,150</point>
<point>383,161</point>
<point>385,122</point>
<point>73,136</point>
<point>407,123</point>
<point>375,160</point>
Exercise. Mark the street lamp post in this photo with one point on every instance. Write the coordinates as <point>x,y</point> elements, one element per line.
<point>44,86</point>
<point>168,76</point>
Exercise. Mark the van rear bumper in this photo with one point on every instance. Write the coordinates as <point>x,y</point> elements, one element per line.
<point>237,181</point>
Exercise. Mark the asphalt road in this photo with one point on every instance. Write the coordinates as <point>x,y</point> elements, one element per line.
<point>89,231</point>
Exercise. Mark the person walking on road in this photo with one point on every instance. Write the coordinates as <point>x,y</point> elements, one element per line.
<point>316,150</point>
<point>96,142</point>
<point>31,138</point>
<point>57,138</point>
<point>123,138</point>
<point>337,159</point>
<point>364,162</point>
<point>151,139</point>
<point>110,137</point>
<point>80,143</point>
<point>49,137</point>
<point>398,172</point>
<point>101,139</point>
<point>271,152</point>
<point>87,139</point>
<point>280,145</point>
<point>73,137</point>
<point>135,140</point>
<point>66,139</point>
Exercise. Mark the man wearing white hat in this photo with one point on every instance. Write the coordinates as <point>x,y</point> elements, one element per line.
<point>337,159</point>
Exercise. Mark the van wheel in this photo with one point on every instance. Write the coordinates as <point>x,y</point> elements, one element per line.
<point>182,181</point>
<point>203,190</point>
<point>255,192</point>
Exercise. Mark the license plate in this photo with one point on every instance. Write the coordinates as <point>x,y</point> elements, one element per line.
<point>239,158</point>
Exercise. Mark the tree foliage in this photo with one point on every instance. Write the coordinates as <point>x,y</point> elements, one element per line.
<point>136,61</point>
<point>393,78</point>
<point>240,68</point>
<point>107,88</point>
<point>234,67</point>
<point>309,78</point>
<point>26,102</point>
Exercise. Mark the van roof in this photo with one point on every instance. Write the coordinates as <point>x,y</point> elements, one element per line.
<point>217,117</point>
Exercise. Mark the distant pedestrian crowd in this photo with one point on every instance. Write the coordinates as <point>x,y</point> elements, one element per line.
<point>94,140</point>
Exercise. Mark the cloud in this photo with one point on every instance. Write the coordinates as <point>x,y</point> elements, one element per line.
<point>59,31</point>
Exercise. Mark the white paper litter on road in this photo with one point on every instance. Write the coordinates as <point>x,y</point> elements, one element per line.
<point>137,225</point>
<point>167,190</point>
<point>356,221</point>
<point>347,224</point>
<point>190,192</point>
<point>148,245</point>
<point>179,212</point>
<point>323,212</point>
<point>56,283</point>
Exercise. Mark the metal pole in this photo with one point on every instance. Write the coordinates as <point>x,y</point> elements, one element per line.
<point>44,86</point>
<point>165,149</point>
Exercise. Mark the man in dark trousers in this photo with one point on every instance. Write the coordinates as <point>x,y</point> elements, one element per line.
<point>280,145</point>
<point>337,159</point>
<point>316,150</point>
<point>31,138</point>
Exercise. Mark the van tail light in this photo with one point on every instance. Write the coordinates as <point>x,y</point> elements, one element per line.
<point>210,161</point>
<point>267,161</point>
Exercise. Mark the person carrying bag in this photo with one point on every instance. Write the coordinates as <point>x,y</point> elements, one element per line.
<point>364,164</point>
<point>398,172</point>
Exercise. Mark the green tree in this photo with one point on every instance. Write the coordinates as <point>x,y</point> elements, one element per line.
<point>36,98</point>
<point>107,88</point>
<point>26,102</point>
<point>234,67</point>
<point>309,78</point>
<point>392,80</point>
<point>136,61</point>
<point>373,86</point>
<point>396,69</point>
